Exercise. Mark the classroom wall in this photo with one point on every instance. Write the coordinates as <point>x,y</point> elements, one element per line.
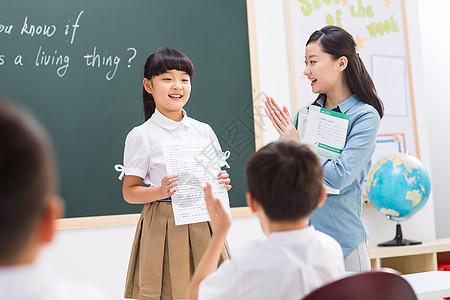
<point>100,255</point>
<point>436,66</point>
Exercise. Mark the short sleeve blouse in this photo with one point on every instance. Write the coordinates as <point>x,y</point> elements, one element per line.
<point>143,155</point>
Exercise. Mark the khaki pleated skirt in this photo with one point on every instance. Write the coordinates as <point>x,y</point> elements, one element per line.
<point>164,256</point>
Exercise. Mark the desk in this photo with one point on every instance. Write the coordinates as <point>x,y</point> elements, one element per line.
<point>430,285</point>
<point>411,259</point>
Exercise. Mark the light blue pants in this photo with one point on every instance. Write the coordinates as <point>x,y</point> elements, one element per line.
<point>358,260</point>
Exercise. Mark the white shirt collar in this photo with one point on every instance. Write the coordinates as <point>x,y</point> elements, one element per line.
<point>167,123</point>
<point>280,236</point>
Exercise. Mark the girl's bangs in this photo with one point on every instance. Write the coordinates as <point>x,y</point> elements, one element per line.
<point>172,60</point>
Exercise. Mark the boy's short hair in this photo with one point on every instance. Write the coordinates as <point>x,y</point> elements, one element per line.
<point>27,177</point>
<point>286,179</point>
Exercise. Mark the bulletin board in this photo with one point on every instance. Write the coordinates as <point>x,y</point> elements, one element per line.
<point>379,29</point>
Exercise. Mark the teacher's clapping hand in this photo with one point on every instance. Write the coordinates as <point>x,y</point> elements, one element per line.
<point>281,120</point>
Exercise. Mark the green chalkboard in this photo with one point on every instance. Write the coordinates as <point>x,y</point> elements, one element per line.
<point>77,65</point>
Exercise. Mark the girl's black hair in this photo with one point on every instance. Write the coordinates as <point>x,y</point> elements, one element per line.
<point>337,42</point>
<point>161,61</point>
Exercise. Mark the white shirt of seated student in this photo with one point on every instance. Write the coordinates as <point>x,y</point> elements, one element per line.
<point>288,265</point>
<point>35,282</point>
<point>143,151</point>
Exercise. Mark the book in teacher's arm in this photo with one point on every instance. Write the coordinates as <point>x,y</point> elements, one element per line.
<point>325,131</point>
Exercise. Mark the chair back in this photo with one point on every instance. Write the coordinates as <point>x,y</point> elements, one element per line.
<point>374,285</point>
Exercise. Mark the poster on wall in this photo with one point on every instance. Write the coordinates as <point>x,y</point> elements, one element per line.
<point>390,78</point>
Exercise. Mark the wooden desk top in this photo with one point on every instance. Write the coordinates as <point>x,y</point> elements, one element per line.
<point>431,246</point>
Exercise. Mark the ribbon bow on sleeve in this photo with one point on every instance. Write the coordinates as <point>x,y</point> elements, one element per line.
<point>119,168</point>
<point>225,156</point>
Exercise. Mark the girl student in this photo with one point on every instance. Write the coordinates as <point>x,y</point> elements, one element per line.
<point>339,76</point>
<point>163,256</point>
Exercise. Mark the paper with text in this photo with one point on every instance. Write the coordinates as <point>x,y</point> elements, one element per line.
<point>326,131</point>
<point>389,76</point>
<point>195,162</point>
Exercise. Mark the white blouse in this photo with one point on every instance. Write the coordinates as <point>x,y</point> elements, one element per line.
<point>143,155</point>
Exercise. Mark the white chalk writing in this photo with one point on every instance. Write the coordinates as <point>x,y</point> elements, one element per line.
<point>59,58</point>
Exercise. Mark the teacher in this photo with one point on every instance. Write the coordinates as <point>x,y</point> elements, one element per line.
<point>339,76</point>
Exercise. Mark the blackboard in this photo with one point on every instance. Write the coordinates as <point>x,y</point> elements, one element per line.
<point>77,66</point>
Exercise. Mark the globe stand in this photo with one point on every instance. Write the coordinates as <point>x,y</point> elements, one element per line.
<point>398,239</point>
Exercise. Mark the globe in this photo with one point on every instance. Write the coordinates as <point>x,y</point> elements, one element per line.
<point>398,186</point>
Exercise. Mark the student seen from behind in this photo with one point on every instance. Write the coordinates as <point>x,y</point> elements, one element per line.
<point>285,185</point>
<point>29,207</point>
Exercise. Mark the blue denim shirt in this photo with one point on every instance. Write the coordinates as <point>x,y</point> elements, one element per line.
<point>340,216</point>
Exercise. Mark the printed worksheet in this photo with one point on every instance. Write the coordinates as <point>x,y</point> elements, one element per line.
<point>195,162</point>
<point>326,131</point>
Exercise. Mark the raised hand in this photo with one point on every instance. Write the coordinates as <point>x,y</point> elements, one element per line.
<point>219,218</point>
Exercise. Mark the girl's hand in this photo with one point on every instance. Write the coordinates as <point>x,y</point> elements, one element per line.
<point>167,183</point>
<point>281,120</point>
<point>219,218</point>
<point>224,178</point>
